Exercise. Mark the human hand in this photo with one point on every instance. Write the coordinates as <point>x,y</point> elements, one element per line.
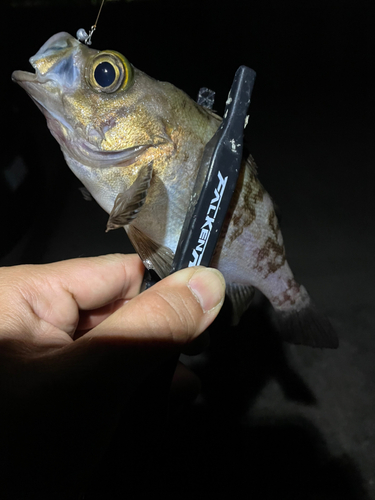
<point>76,338</point>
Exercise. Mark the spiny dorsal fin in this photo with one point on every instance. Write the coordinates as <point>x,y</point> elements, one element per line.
<point>240,297</point>
<point>129,203</point>
<point>153,255</point>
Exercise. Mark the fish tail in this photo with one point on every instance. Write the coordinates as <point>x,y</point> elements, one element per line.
<point>302,323</point>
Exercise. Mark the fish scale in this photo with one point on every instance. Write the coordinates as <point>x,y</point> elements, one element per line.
<point>137,146</point>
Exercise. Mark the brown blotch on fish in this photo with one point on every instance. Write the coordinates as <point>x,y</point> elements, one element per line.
<point>290,296</point>
<point>247,194</point>
<point>271,257</point>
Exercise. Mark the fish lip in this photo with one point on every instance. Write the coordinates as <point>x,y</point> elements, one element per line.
<point>20,77</point>
<point>110,159</point>
<point>132,149</point>
<point>25,77</point>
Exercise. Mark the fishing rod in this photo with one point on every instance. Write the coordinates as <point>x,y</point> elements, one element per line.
<point>212,193</point>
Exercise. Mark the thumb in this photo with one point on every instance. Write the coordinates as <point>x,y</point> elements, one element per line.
<point>173,312</point>
<point>155,324</point>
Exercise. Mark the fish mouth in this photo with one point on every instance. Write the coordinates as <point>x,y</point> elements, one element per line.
<point>35,87</point>
<point>33,84</point>
<point>73,144</point>
<point>54,70</point>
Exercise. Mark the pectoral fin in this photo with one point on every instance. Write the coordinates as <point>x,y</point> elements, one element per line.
<point>240,297</point>
<point>129,203</point>
<point>153,255</point>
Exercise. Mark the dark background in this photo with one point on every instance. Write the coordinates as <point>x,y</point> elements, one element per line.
<point>274,421</point>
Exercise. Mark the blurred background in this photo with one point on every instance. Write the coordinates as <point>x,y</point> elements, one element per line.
<point>273,420</point>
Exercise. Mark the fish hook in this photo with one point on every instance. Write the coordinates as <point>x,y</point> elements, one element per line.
<point>82,36</point>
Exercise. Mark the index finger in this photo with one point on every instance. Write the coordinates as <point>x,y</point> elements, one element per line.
<point>94,282</point>
<point>46,299</point>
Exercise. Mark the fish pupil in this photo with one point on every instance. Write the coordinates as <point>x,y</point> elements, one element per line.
<point>105,74</point>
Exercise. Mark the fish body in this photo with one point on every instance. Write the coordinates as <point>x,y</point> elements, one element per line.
<point>136,145</point>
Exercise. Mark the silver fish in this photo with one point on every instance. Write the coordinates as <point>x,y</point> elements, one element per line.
<point>136,145</point>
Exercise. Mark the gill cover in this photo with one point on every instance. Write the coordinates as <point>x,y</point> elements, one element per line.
<point>109,71</point>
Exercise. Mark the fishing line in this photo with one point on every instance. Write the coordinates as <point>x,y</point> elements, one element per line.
<point>81,33</point>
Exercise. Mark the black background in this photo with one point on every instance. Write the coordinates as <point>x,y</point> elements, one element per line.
<point>274,421</point>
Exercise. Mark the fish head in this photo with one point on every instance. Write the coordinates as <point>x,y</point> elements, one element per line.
<point>109,118</point>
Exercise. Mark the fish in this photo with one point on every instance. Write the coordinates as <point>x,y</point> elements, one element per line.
<point>136,144</point>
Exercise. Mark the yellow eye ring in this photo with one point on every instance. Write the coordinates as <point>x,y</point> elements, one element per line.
<point>109,71</point>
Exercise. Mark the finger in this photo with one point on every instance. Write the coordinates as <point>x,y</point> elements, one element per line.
<point>98,281</point>
<point>92,318</point>
<point>56,292</point>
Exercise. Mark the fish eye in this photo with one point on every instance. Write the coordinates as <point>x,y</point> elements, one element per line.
<point>108,72</point>
<point>105,74</point>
